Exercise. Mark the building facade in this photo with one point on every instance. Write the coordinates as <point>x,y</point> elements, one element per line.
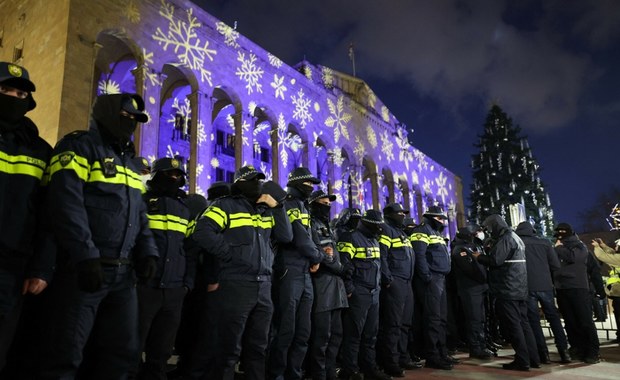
<point>217,100</point>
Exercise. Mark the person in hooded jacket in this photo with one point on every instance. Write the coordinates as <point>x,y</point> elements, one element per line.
<point>239,231</point>
<point>95,195</point>
<point>346,222</point>
<point>508,282</point>
<point>472,287</point>
<point>361,256</point>
<point>330,296</point>
<point>396,301</point>
<point>293,292</point>
<point>573,294</point>
<point>432,265</point>
<point>542,262</point>
<point>160,299</point>
<point>26,266</point>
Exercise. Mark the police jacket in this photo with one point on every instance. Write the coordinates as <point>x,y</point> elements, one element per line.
<point>329,290</point>
<point>240,235</point>
<point>361,256</point>
<point>298,255</point>
<point>573,272</point>
<point>541,260</point>
<point>95,197</point>
<point>397,256</point>
<point>506,262</point>
<point>168,219</point>
<point>23,159</point>
<point>471,276</point>
<point>431,252</point>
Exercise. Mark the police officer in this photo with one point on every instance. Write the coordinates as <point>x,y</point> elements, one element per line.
<point>95,196</point>
<point>361,256</point>
<point>330,296</point>
<point>573,293</point>
<point>611,257</point>
<point>346,222</point>
<point>293,293</point>
<point>472,287</point>
<point>25,266</point>
<point>396,301</point>
<point>160,299</point>
<point>432,266</point>
<point>239,231</point>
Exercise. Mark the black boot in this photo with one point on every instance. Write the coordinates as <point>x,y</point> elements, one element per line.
<point>544,357</point>
<point>564,356</point>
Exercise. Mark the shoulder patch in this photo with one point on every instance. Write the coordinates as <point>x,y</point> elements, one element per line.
<point>65,158</point>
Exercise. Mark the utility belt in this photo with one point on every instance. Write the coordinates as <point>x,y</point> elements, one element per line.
<point>109,262</point>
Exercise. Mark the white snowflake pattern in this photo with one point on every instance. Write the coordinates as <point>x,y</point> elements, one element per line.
<point>421,157</point>
<point>441,187</point>
<point>202,135</point>
<point>281,137</point>
<point>278,86</point>
<point>328,77</point>
<point>249,72</point>
<point>274,61</point>
<point>372,136</point>
<point>170,152</point>
<point>183,38</point>
<point>184,109</point>
<point>131,12</point>
<point>152,158</point>
<point>404,148</point>
<point>230,35</point>
<point>152,76</point>
<point>359,149</point>
<point>387,147</point>
<point>307,71</point>
<point>266,171</point>
<point>337,157</point>
<point>427,186</point>
<point>107,86</point>
<point>215,163</point>
<point>302,108</point>
<point>414,178</point>
<point>385,114</point>
<point>338,118</point>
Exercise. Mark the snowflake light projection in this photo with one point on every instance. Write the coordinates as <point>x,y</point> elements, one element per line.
<point>405,153</point>
<point>274,61</point>
<point>327,77</point>
<point>150,75</point>
<point>183,38</point>
<point>385,114</point>
<point>441,187</point>
<point>614,218</point>
<point>249,72</point>
<point>372,137</point>
<point>338,118</point>
<point>278,86</point>
<point>230,35</point>
<point>131,12</point>
<point>302,108</point>
<point>387,146</point>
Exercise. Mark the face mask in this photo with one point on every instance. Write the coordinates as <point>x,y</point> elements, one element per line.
<point>249,189</point>
<point>126,128</point>
<point>372,229</point>
<point>437,225</point>
<point>145,178</point>
<point>12,109</point>
<point>305,190</point>
<point>165,185</point>
<point>480,235</point>
<point>397,219</point>
<point>321,211</point>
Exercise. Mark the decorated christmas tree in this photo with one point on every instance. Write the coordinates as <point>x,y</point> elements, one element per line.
<point>506,177</point>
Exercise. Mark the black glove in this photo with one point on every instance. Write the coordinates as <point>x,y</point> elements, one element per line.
<point>89,275</point>
<point>146,268</point>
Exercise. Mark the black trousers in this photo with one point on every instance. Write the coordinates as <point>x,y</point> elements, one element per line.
<point>244,314</point>
<point>325,343</point>
<point>360,329</point>
<point>434,315</point>
<point>107,320</point>
<point>513,314</point>
<point>473,308</point>
<point>395,316</point>
<point>159,312</point>
<point>200,361</point>
<point>576,308</point>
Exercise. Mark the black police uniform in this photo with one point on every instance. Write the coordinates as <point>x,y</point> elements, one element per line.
<point>293,293</point>
<point>160,299</point>
<point>95,196</point>
<point>472,288</point>
<point>23,159</point>
<point>361,256</point>
<point>239,234</point>
<point>432,266</point>
<point>330,297</point>
<point>398,263</point>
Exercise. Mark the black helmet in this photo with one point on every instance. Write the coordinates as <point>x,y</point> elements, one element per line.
<point>167,164</point>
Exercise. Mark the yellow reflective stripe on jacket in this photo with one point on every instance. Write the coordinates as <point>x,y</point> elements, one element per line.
<point>124,176</point>
<point>191,226</point>
<point>78,164</point>
<point>217,215</point>
<point>245,219</point>
<point>359,252</point>
<point>385,240</point>
<point>419,236</point>
<point>21,164</point>
<point>399,243</point>
<point>296,214</point>
<point>614,276</point>
<point>167,223</point>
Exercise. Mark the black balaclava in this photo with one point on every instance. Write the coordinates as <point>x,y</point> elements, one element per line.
<point>106,112</point>
<point>321,211</point>
<point>165,185</point>
<point>12,111</point>
<point>372,230</point>
<point>305,190</point>
<point>396,218</point>
<point>435,224</point>
<point>251,189</point>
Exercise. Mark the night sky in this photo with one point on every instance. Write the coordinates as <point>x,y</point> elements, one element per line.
<point>552,66</point>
